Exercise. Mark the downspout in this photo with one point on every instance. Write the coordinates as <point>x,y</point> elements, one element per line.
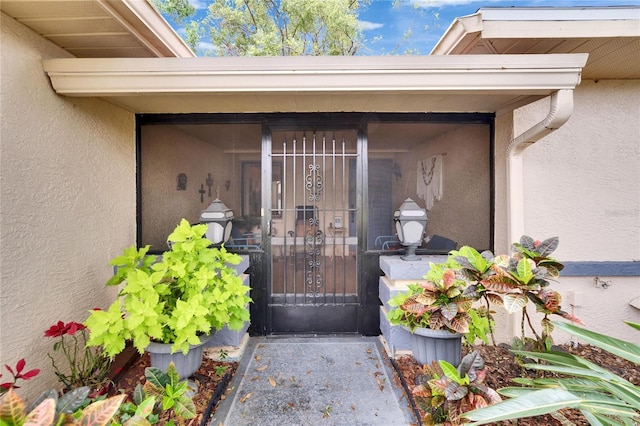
<point>560,110</point>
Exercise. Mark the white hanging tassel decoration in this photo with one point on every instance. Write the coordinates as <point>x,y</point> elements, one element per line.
<point>430,180</point>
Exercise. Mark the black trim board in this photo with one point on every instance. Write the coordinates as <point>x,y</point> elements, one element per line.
<point>601,269</point>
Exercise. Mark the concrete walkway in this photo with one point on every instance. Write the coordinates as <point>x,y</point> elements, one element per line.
<point>314,381</point>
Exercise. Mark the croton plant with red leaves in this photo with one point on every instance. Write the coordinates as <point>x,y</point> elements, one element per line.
<point>17,374</point>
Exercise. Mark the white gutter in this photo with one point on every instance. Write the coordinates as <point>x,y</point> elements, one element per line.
<point>560,110</point>
<point>491,74</point>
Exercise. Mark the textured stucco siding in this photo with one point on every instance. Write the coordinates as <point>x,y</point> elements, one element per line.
<point>67,200</point>
<point>587,174</point>
<point>582,184</point>
<point>503,136</point>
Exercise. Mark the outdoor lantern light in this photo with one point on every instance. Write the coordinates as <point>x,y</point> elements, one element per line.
<point>410,220</point>
<point>218,218</point>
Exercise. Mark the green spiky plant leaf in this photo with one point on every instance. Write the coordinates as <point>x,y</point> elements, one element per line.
<point>602,396</point>
<point>627,350</point>
<point>633,324</point>
<point>531,404</point>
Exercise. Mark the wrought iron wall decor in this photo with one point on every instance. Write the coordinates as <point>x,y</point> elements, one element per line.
<point>209,182</point>
<point>181,181</point>
<point>202,192</point>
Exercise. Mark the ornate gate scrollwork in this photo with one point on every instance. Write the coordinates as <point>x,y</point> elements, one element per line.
<point>314,182</point>
<point>314,242</point>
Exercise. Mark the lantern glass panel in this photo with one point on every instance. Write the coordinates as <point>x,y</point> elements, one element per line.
<point>412,232</point>
<point>227,231</point>
<point>215,232</point>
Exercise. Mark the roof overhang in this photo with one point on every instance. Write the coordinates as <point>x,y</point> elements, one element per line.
<point>470,83</point>
<point>100,28</point>
<point>610,35</point>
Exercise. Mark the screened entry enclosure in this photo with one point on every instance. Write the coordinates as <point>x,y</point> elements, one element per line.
<point>313,198</point>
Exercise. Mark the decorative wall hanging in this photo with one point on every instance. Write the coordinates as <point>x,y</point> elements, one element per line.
<point>227,184</point>
<point>181,180</point>
<point>430,180</point>
<point>209,182</point>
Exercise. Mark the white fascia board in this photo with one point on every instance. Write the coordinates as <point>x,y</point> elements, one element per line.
<point>608,13</point>
<point>537,23</point>
<point>464,74</point>
<point>559,29</point>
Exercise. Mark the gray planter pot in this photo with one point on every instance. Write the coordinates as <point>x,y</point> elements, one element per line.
<point>432,345</point>
<point>186,365</point>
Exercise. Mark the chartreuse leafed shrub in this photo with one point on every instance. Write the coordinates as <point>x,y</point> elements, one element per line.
<point>190,291</point>
<point>603,398</point>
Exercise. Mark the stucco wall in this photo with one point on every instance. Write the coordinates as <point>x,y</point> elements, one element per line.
<point>67,200</point>
<point>582,184</point>
<point>587,174</point>
<point>503,136</point>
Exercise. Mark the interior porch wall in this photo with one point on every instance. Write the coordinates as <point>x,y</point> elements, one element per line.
<point>167,152</point>
<point>463,213</point>
<point>67,194</point>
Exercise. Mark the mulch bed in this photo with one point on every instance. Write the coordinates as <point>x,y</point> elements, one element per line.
<point>211,386</point>
<point>502,367</point>
<point>500,363</point>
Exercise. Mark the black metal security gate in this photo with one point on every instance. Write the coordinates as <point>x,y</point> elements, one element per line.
<point>313,233</point>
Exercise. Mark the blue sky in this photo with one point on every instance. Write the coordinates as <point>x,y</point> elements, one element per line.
<point>384,26</point>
